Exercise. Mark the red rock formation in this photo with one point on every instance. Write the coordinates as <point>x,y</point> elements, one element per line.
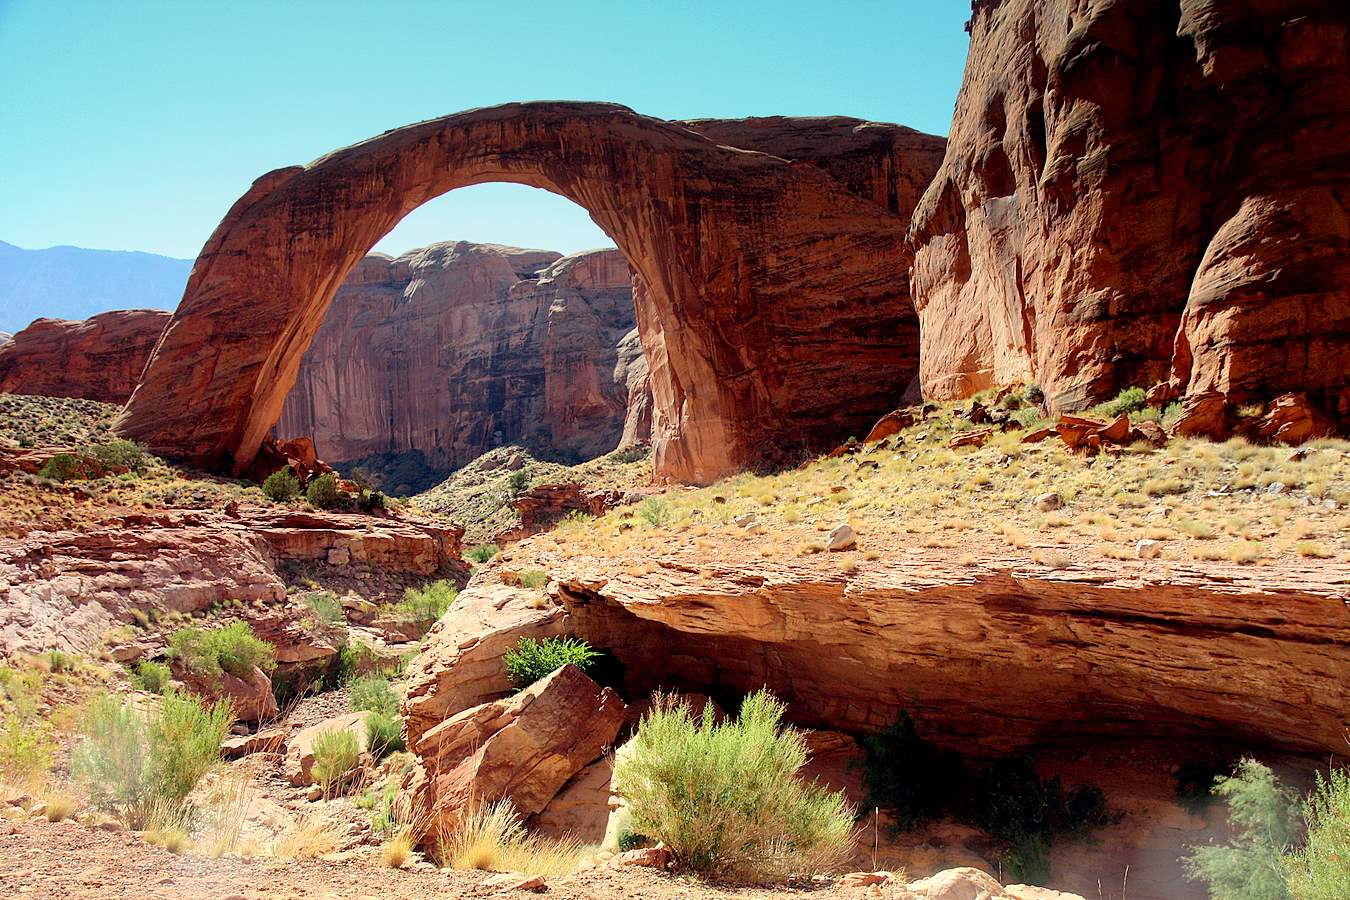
<point>773,316</point>
<point>1136,190</point>
<point>99,358</point>
<point>458,348</point>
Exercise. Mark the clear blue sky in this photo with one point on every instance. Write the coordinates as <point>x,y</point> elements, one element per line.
<point>134,124</point>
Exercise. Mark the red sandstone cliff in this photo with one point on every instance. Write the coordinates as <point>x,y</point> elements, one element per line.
<point>99,358</point>
<point>458,348</point>
<point>1136,190</point>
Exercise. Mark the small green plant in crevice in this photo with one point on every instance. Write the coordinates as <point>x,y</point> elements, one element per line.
<point>374,693</point>
<point>335,756</point>
<point>281,486</point>
<point>909,775</point>
<point>234,649</point>
<point>142,763</point>
<point>725,796</point>
<point>1129,400</point>
<point>326,606</point>
<point>425,605</point>
<point>150,676</point>
<point>1263,815</point>
<point>482,553</point>
<point>1320,870</point>
<point>323,492</point>
<point>655,513</point>
<point>531,660</point>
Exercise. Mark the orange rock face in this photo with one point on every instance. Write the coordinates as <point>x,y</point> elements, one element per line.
<point>771,308</point>
<point>1133,194</point>
<point>458,348</point>
<point>99,358</point>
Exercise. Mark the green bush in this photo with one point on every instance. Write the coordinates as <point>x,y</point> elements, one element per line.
<point>335,755</point>
<point>1262,813</point>
<point>531,660</point>
<point>119,454</point>
<point>534,579</point>
<point>384,735</point>
<point>281,486</point>
<point>1127,401</point>
<point>724,797</point>
<point>1011,802</point>
<point>519,481</point>
<point>1321,869</point>
<point>1032,393</point>
<point>58,661</point>
<point>151,676</point>
<point>62,467</point>
<point>373,692</point>
<point>909,775</point>
<point>327,608</point>
<point>27,748</point>
<point>654,512</point>
<point>428,603</point>
<point>482,553</point>
<point>142,763</point>
<point>323,493</point>
<point>234,649</point>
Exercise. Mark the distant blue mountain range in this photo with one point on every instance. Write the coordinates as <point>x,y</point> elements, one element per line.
<point>75,283</point>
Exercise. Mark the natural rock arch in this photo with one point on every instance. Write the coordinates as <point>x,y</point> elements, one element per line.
<point>772,299</point>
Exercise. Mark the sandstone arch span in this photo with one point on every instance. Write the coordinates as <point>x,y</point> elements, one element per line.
<point>771,293</point>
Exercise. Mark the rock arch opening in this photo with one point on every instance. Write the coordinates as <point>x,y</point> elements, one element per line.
<point>769,261</point>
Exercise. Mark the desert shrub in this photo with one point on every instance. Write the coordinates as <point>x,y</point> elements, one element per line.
<point>909,775</point>
<point>427,603</point>
<point>631,840</point>
<point>62,467</point>
<point>119,454</point>
<point>335,755</point>
<point>1320,870</point>
<point>1130,400</point>
<point>323,492</point>
<point>325,605</point>
<point>482,553</point>
<point>724,797</point>
<point>1032,393</point>
<point>141,763</point>
<point>150,676</point>
<point>655,513</point>
<point>633,454</point>
<point>518,481</point>
<point>1262,814</point>
<point>1170,414</point>
<point>531,660</point>
<point>281,486</point>
<point>371,501</point>
<point>1011,802</point>
<point>384,735</point>
<point>492,838</point>
<point>27,747</point>
<point>373,692</point>
<point>233,648</point>
<point>58,661</point>
<point>534,579</point>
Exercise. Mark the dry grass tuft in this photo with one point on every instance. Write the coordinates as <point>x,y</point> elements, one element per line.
<point>492,838</point>
<point>310,840</point>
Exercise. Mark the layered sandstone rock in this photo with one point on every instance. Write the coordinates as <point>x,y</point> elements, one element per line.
<point>523,748</point>
<point>769,307</point>
<point>1136,191</point>
<point>64,590</point>
<point>99,358</point>
<point>457,348</point>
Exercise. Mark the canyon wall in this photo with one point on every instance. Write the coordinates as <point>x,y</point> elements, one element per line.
<point>1138,191</point>
<point>457,348</point>
<point>99,358</point>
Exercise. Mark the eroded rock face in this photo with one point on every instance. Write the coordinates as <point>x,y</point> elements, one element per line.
<point>458,348</point>
<point>99,358</point>
<point>1136,191</point>
<point>770,310</point>
<point>523,748</point>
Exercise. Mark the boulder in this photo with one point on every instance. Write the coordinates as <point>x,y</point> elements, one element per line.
<point>1207,414</point>
<point>267,740</point>
<point>890,424</point>
<point>973,438</point>
<point>842,538</point>
<point>1294,419</point>
<point>523,748</point>
<point>300,746</point>
<point>250,694</point>
<point>581,808</point>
